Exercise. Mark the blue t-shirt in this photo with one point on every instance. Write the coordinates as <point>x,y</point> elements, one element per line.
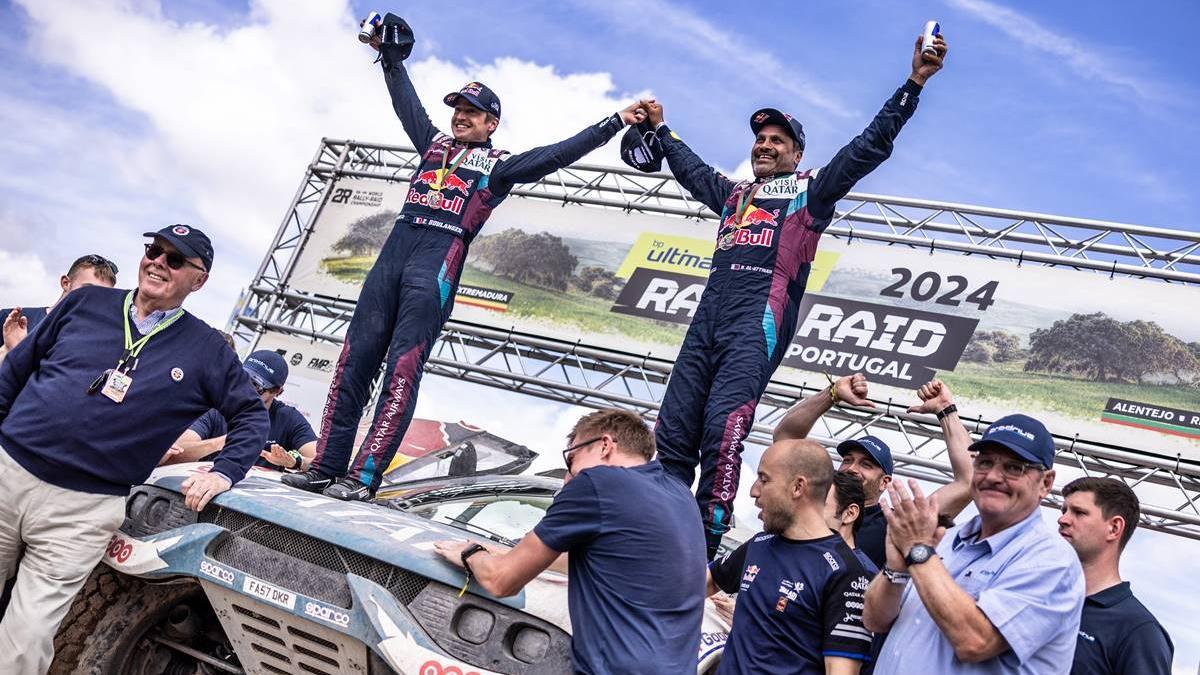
<point>289,428</point>
<point>636,569</point>
<point>798,602</point>
<point>1117,634</point>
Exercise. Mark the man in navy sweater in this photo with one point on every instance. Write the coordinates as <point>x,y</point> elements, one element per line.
<point>87,403</point>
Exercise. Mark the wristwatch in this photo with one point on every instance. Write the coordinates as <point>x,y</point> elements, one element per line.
<point>918,554</point>
<point>941,415</point>
<point>896,576</point>
<point>468,552</point>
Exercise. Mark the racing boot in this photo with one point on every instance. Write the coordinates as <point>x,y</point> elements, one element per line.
<point>349,490</point>
<point>312,480</point>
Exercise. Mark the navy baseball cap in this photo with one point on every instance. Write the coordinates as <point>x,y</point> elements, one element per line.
<point>1024,436</point>
<point>874,447</point>
<point>478,95</point>
<point>189,241</point>
<point>790,124</point>
<point>266,368</point>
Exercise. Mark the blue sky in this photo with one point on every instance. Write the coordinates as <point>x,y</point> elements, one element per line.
<point>122,117</point>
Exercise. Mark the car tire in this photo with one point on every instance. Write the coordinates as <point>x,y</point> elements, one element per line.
<point>109,618</point>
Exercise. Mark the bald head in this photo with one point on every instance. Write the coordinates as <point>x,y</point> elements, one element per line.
<point>795,458</point>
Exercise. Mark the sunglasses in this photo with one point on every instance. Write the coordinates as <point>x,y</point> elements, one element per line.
<point>175,259</point>
<point>95,261</point>
<point>1012,470</point>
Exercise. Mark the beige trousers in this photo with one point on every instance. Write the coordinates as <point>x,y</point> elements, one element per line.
<point>52,537</point>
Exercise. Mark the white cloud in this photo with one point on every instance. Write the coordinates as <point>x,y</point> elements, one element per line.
<point>232,116</point>
<point>702,40</point>
<point>22,275</point>
<point>1084,61</point>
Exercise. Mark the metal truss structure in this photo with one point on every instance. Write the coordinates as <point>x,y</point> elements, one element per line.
<point>587,375</point>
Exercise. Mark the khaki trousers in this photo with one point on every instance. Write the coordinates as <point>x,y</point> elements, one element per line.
<point>62,534</point>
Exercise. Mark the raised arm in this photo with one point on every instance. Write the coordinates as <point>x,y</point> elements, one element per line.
<point>705,183</point>
<point>874,145</point>
<point>408,106</point>
<point>23,359</point>
<point>533,165</point>
<point>799,420</point>
<point>936,399</point>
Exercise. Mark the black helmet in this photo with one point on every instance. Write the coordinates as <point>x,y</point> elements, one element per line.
<point>396,40</point>
<point>641,149</point>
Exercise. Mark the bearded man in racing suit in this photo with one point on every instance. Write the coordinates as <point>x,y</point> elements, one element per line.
<point>409,292</point>
<point>747,316</point>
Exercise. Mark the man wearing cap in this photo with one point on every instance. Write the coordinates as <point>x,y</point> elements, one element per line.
<point>409,292</point>
<point>766,243</point>
<point>870,458</point>
<point>1000,593</point>
<point>88,270</point>
<point>291,442</point>
<point>87,403</point>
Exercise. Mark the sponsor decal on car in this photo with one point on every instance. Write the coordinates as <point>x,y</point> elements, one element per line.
<point>272,594</point>
<point>327,614</point>
<point>218,572</point>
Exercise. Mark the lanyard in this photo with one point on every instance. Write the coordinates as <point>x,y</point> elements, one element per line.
<point>132,349</point>
<point>744,203</point>
<point>457,162</point>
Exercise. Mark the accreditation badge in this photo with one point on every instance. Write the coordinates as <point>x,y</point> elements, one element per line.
<point>116,386</point>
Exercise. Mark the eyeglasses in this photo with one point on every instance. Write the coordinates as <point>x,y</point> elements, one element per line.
<point>1012,470</point>
<point>567,453</point>
<point>175,259</point>
<point>93,260</point>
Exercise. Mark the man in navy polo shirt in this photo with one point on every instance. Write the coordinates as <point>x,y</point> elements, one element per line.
<point>88,270</point>
<point>1117,634</point>
<point>800,586</point>
<point>291,441</point>
<point>636,564</point>
<point>87,403</point>
<point>999,594</point>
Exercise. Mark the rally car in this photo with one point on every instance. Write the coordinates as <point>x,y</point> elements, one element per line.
<point>268,579</point>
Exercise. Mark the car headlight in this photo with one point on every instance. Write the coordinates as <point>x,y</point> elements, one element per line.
<point>490,635</point>
<point>150,510</point>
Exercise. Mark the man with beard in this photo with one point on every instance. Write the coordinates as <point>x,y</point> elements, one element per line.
<point>746,318</point>
<point>799,585</point>
<point>870,458</point>
<point>409,293</point>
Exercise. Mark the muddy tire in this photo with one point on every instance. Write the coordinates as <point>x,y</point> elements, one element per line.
<point>107,630</point>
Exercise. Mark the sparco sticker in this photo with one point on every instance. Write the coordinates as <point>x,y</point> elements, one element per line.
<point>327,614</point>
<point>216,572</point>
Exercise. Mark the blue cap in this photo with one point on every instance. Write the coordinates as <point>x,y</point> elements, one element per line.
<point>266,368</point>
<point>873,446</point>
<point>189,240</point>
<point>478,95</point>
<point>1024,436</point>
<point>791,125</point>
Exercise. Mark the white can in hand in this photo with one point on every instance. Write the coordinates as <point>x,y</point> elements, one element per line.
<point>369,26</point>
<point>932,30</point>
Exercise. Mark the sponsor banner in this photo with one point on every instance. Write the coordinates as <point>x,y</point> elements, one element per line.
<point>1057,344</point>
<point>892,345</point>
<point>487,298</point>
<point>1155,418</point>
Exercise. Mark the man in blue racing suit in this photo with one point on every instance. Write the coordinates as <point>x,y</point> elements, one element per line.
<point>747,316</point>
<point>409,292</point>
